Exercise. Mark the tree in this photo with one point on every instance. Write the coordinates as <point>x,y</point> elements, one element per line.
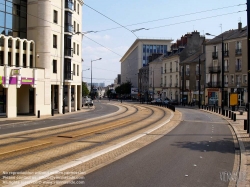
<point>85,90</point>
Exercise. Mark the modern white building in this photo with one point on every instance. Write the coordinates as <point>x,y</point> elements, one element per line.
<point>138,56</point>
<point>39,56</point>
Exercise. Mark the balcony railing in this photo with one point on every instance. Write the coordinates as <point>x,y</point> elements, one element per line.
<point>68,75</point>
<point>187,72</point>
<point>213,84</point>
<point>68,52</point>
<point>69,4</point>
<point>226,53</point>
<point>68,28</point>
<point>238,51</point>
<point>215,55</point>
<point>226,68</point>
<point>214,69</point>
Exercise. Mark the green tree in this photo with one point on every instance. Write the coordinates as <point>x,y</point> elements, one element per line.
<point>85,90</point>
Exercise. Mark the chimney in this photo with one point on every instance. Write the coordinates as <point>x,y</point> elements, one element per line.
<point>239,26</point>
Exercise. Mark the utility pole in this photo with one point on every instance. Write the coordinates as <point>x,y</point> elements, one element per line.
<point>199,82</point>
<point>182,98</point>
<point>222,78</point>
<point>248,64</point>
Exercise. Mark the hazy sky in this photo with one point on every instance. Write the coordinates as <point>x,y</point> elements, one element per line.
<point>175,18</point>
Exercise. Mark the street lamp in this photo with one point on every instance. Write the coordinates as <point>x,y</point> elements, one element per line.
<point>83,71</point>
<point>91,72</point>
<point>222,72</point>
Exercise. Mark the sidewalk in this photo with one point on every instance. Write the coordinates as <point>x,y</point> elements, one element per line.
<point>244,144</point>
<point>22,118</point>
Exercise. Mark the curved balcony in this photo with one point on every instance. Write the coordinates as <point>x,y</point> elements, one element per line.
<point>68,28</point>
<point>69,6</point>
<point>68,52</point>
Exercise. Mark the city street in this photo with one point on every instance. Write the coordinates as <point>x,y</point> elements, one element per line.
<point>195,153</point>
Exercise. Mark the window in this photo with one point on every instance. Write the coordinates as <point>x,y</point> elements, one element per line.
<point>74,69</point>
<point>77,70</point>
<point>77,49</point>
<point>238,64</point>
<point>54,41</point>
<point>55,16</point>
<point>74,26</point>
<point>245,79</point>
<point>31,61</point>
<point>54,66</point>
<point>238,45</point>
<point>232,79</point>
<point>77,27</point>
<point>226,64</point>
<point>24,61</point>
<point>77,8</point>
<point>74,5</point>
<point>74,47</point>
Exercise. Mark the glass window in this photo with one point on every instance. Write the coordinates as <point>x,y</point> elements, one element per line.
<point>74,72</point>
<point>1,20</point>
<point>9,21</point>
<point>2,5</point>
<point>54,41</point>
<point>23,24</point>
<point>16,10</point>
<point>77,70</point>
<point>54,66</point>
<point>144,48</point>
<point>31,61</point>
<point>23,11</point>
<point>9,7</point>
<point>55,16</point>
<point>77,49</point>
<point>15,25</point>
<point>77,8</point>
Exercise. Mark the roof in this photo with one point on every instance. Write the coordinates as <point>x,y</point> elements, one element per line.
<point>229,35</point>
<point>195,57</point>
<point>136,43</point>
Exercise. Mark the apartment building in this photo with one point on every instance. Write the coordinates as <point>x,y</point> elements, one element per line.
<point>235,66</point>
<point>40,58</point>
<point>194,77</point>
<point>138,55</point>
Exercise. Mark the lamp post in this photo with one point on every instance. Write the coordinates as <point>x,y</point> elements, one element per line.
<point>222,72</point>
<point>91,73</point>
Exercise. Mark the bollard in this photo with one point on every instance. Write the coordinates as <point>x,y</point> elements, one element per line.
<point>234,116</point>
<point>226,113</point>
<point>219,110</point>
<point>52,112</point>
<point>245,124</point>
<point>38,114</point>
<point>229,113</point>
<point>223,112</point>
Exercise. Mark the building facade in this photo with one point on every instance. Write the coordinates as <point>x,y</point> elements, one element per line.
<point>138,55</point>
<point>235,66</point>
<point>40,56</point>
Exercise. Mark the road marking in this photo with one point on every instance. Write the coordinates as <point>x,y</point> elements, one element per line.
<point>23,147</point>
<point>35,178</point>
<point>91,131</point>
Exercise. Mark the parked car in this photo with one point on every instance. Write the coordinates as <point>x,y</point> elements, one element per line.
<point>213,101</point>
<point>166,101</point>
<point>156,101</point>
<point>89,102</point>
<point>174,102</point>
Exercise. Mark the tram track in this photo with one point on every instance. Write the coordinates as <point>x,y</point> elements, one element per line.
<point>63,148</point>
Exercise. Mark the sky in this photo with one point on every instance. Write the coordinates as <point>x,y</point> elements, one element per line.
<point>164,19</point>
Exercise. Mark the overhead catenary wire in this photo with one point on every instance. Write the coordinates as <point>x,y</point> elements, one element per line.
<point>177,16</point>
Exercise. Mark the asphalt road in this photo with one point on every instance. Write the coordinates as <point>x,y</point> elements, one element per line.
<point>100,109</point>
<point>194,154</point>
